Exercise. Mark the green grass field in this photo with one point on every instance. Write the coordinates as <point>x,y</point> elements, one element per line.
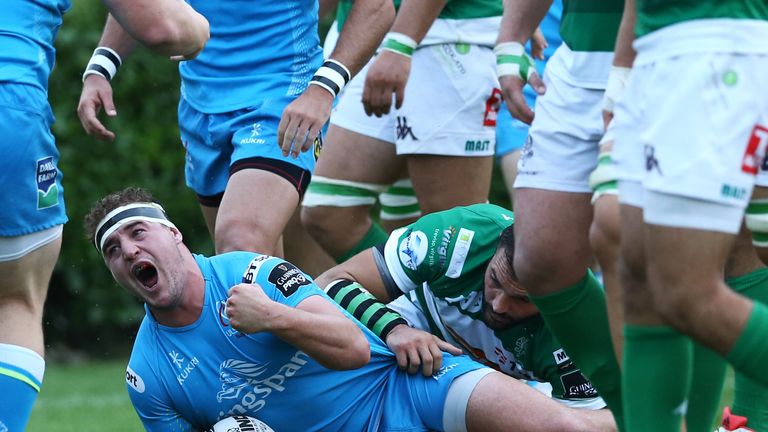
<point>84,397</point>
<point>92,397</point>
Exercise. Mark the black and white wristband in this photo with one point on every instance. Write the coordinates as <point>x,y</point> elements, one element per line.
<point>332,76</point>
<point>105,62</point>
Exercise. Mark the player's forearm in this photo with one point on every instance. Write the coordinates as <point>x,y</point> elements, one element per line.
<point>362,33</point>
<point>326,7</point>
<point>114,36</point>
<point>362,305</point>
<point>415,17</point>
<point>599,420</point>
<point>624,54</point>
<point>333,340</point>
<point>167,27</point>
<point>520,19</point>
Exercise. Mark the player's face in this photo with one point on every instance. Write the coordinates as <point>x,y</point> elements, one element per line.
<point>144,258</point>
<point>506,302</point>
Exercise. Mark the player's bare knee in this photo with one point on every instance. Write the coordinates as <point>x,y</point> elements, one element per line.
<point>317,221</point>
<point>604,242</point>
<point>677,307</point>
<point>20,299</point>
<point>238,235</point>
<point>542,267</point>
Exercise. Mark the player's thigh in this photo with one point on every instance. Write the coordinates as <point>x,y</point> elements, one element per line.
<point>552,247</point>
<point>439,186</point>
<point>508,164</point>
<point>26,263</point>
<point>497,393</point>
<point>353,156</point>
<point>254,211</point>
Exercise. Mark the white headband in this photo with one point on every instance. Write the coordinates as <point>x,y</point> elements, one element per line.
<point>143,211</point>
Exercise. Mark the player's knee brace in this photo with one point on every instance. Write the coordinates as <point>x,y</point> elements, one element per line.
<point>399,201</point>
<point>756,219</point>
<point>603,179</point>
<point>324,191</point>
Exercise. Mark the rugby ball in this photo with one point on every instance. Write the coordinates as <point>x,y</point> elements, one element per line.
<point>240,423</point>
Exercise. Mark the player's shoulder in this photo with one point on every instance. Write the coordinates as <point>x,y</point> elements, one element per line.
<point>470,216</point>
<point>236,266</point>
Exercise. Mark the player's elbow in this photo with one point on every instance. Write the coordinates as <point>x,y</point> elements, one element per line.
<point>361,354</point>
<point>384,11</point>
<point>178,38</point>
<point>355,354</point>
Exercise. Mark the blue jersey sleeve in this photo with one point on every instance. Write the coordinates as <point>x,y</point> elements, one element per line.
<point>282,281</point>
<point>151,402</point>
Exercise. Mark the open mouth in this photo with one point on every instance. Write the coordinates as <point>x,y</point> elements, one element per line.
<point>146,274</point>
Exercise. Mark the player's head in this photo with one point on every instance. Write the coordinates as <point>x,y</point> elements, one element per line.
<point>140,246</point>
<point>505,302</point>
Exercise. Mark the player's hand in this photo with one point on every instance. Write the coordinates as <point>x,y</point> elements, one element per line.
<point>303,119</point>
<point>387,75</point>
<point>512,91</point>
<point>515,68</point>
<point>538,44</point>
<point>614,89</point>
<point>416,349</point>
<point>249,309</point>
<point>96,95</point>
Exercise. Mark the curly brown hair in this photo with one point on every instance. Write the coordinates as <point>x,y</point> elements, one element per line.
<point>110,202</point>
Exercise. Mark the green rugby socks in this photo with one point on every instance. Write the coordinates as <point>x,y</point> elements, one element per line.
<point>578,317</point>
<point>707,380</point>
<point>656,380</point>
<point>751,397</point>
<point>373,237</point>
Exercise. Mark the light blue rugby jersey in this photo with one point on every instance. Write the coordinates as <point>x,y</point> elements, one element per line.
<point>257,49</point>
<point>190,377</point>
<point>27,31</point>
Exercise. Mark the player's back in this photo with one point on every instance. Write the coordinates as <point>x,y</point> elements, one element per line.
<point>255,50</point>
<point>26,40</point>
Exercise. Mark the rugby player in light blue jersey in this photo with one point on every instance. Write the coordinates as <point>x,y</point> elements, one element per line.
<point>245,333</point>
<point>33,211</point>
<point>261,79</point>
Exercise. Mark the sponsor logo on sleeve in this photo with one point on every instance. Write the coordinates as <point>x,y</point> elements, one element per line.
<point>459,254</point>
<point>287,278</point>
<point>577,386</point>
<point>134,380</point>
<point>413,249</point>
<point>560,356</point>
<point>253,268</point>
